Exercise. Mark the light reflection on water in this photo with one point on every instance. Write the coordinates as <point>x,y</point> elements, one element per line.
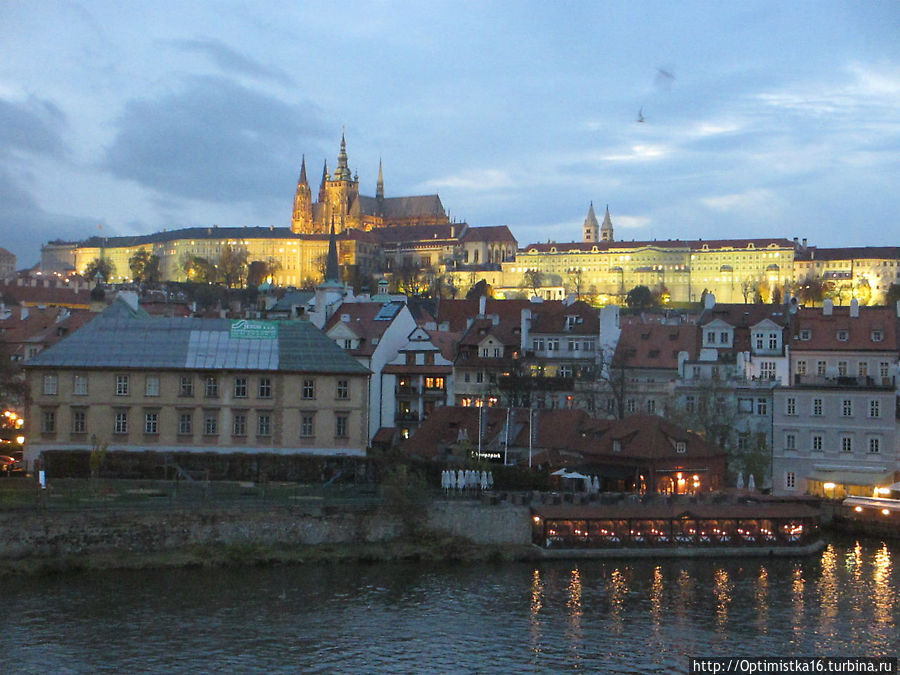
<point>613,616</point>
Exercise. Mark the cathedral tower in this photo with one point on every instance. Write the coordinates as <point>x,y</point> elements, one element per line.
<point>302,219</point>
<point>591,226</point>
<point>606,230</point>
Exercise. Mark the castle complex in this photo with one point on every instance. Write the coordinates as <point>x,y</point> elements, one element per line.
<point>381,235</point>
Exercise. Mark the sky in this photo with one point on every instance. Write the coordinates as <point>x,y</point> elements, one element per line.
<point>760,119</point>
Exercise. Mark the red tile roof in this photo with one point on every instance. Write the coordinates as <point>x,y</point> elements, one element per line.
<point>656,345</point>
<point>825,331</point>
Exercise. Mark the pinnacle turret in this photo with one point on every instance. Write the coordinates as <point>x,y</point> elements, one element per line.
<point>606,230</point>
<point>591,226</point>
<point>379,188</point>
<point>343,170</point>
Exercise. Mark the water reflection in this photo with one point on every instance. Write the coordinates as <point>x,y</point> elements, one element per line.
<point>599,616</point>
<point>761,599</point>
<point>722,588</point>
<point>883,588</point>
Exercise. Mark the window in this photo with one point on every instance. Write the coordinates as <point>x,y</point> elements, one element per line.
<point>695,370</point>
<point>537,344</point>
<point>723,338</point>
<point>80,387</point>
<point>842,369</point>
<point>307,429</point>
<point>689,403</point>
<point>51,385</point>
<point>762,406</point>
<point>265,388</point>
<point>484,352</point>
<point>877,336</point>
<point>773,340</point>
<point>479,377</point>
<point>847,408</point>
<point>805,334</point>
<point>846,444</point>
<point>348,343</point>
<point>343,390</point>
<point>743,441</point>
<point>48,421</point>
<point>565,371</point>
<point>651,406</point>
<point>790,406</point>
<point>711,337</point>
<point>122,385</point>
<point>801,367</point>
<point>497,352</point>
<point>843,335</point>
<point>817,407</point>
<point>817,443</point>
<point>212,386</point>
<point>240,387</point>
<point>630,406</point>
<point>210,422</point>
<point>617,445</point>
<point>574,345</point>
<point>467,376</point>
<point>121,422</point>
<point>151,385</point>
<point>589,345</point>
<point>863,368</point>
<point>681,447</point>
<point>884,369</point>
<point>151,423</point>
<point>874,408</point>
<point>340,426</point>
<point>767,370</point>
<point>264,424</point>
<point>790,480</point>
<point>790,441</point>
<point>820,368</point>
<point>759,341</point>
<point>187,386</point>
<point>309,390</point>
<point>434,382</point>
<point>185,423</point>
<point>874,446</point>
<point>239,424</point>
<point>79,421</point>
<point>553,345</point>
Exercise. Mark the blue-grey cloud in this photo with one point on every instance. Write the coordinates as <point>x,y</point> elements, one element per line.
<point>31,126</point>
<point>32,225</point>
<point>214,140</point>
<point>231,61</point>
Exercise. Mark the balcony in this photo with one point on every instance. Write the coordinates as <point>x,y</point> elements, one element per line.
<point>406,416</point>
<point>847,382</point>
<point>406,390</point>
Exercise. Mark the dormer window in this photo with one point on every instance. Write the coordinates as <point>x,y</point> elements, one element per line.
<point>805,334</point>
<point>843,335</point>
<point>617,445</point>
<point>680,447</point>
<point>711,337</point>
<point>877,336</point>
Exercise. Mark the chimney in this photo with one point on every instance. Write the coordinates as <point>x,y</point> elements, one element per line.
<point>482,305</point>
<point>854,308</point>
<point>23,312</point>
<point>526,327</point>
<point>827,307</point>
<point>804,243</point>
<point>898,309</point>
<point>709,301</point>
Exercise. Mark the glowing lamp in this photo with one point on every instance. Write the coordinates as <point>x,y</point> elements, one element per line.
<point>829,486</point>
<point>858,509</point>
<point>885,512</point>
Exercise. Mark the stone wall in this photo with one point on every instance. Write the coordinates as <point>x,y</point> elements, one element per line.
<point>50,533</point>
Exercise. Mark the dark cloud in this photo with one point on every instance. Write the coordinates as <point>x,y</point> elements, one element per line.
<point>215,140</point>
<point>33,227</point>
<point>31,126</point>
<point>232,62</point>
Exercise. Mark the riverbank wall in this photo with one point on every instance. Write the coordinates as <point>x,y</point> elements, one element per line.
<point>258,531</point>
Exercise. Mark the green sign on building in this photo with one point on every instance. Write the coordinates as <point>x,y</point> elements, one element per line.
<point>254,330</point>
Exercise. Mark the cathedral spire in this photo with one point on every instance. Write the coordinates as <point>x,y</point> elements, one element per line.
<point>606,230</point>
<point>379,189</point>
<point>303,180</point>
<point>322,184</point>
<point>343,171</point>
<point>591,226</point>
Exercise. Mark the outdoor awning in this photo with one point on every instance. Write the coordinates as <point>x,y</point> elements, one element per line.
<point>847,477</point>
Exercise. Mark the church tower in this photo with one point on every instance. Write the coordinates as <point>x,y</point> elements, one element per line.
<point>591,226</point>
<point>341,193</point>
<point>302,219</point>
<point>606,230</point>
<point>379,189</point>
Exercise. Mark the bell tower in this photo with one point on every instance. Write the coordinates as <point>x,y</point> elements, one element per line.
<point>301,220</point>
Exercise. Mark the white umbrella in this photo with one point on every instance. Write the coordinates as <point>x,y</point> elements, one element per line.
<point>484,480</point>
<point>740,480</point>
<point>559,472</point>
<point>751,483</point>
<point>490,479</point>
<point>596,485</point>
<point>460,480</point>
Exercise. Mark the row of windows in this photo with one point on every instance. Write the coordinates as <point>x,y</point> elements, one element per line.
<point>843,369</point>
<point>817,407</point>
<point>210,423</point>
<point>552,345</point>
<point>241,386</point>
<point>817,443</point>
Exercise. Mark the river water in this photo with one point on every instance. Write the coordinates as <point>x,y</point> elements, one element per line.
<point>591,616</point>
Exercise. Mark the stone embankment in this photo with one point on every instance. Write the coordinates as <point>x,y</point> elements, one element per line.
<point>64,539</point>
